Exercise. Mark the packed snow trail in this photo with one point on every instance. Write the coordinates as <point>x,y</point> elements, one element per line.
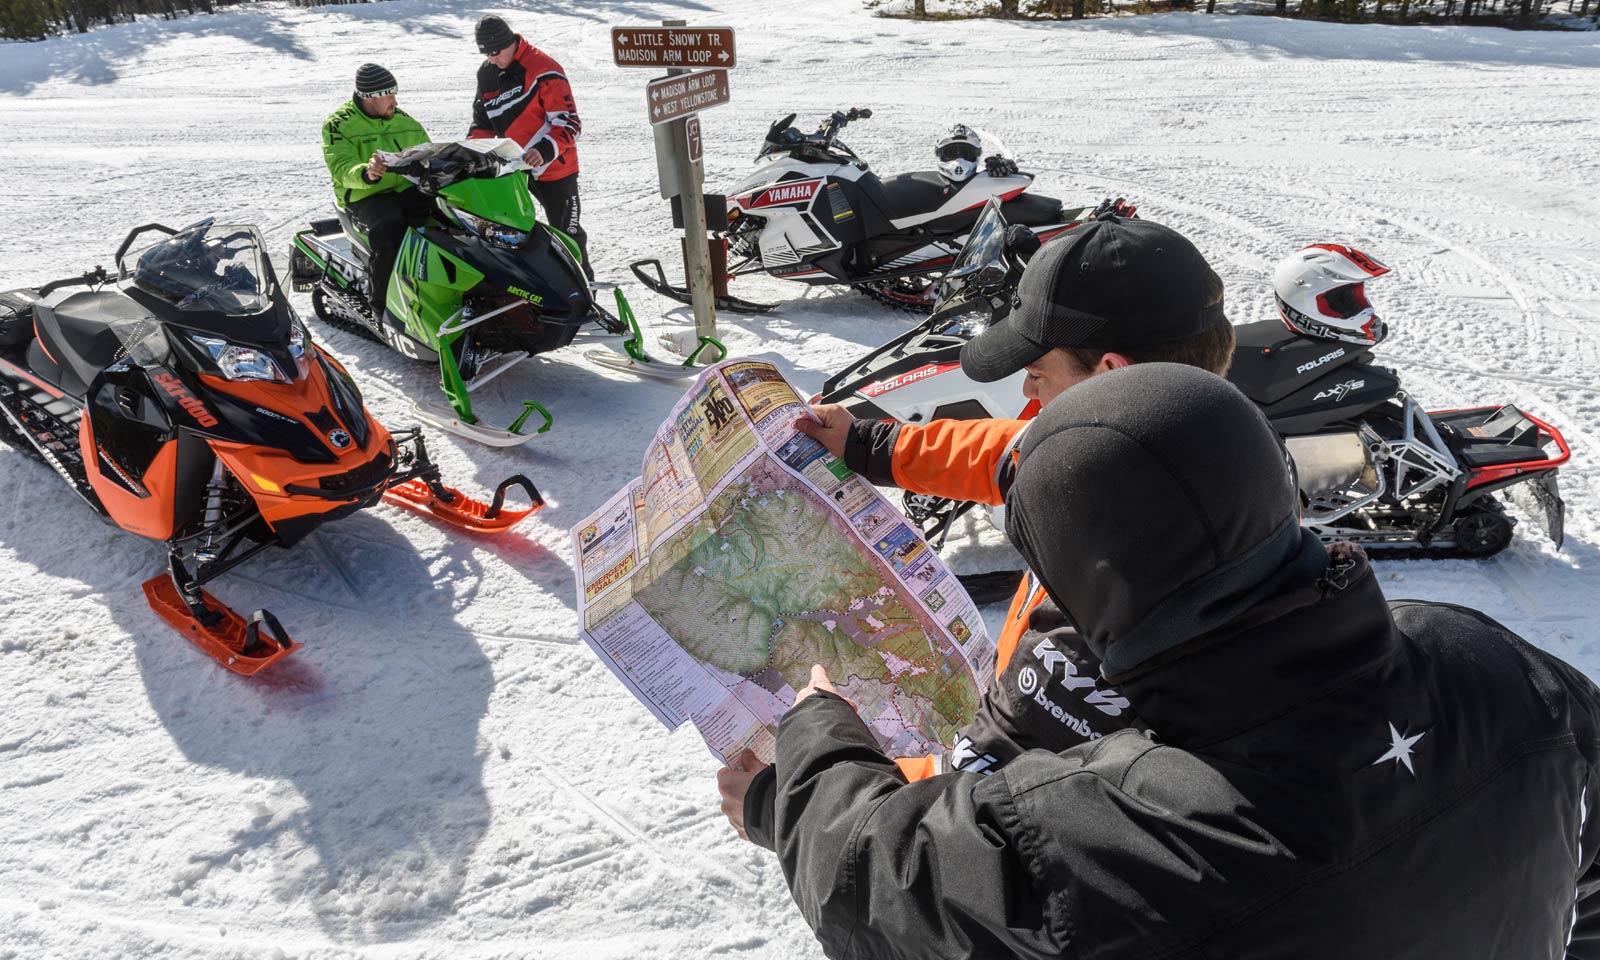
<point>444,770</point>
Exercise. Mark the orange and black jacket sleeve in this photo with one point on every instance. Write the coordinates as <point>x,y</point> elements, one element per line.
<point>959,459</point>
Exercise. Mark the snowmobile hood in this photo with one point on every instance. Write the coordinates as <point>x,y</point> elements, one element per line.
<point>1155,504</point>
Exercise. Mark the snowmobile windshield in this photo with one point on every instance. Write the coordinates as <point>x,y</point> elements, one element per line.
<point>207,267</point>
<point>980,265</point>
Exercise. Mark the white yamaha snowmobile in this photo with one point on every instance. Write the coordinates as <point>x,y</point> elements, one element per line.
<point>1374,467</point>
<point>813,212</point>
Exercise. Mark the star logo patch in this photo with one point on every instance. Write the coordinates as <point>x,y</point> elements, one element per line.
<point>1400,747</point>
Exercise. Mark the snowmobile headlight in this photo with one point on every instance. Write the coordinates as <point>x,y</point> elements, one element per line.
<point>297,342</point>
<point>241,363</point>
<point>485,229</point>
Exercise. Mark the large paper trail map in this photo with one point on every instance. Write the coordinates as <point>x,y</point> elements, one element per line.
<point>744,553</point>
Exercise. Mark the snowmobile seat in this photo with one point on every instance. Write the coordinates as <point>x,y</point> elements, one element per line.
<point>358,240</point>
<point>77,336</point>
<point>1032,210</point>
<point>914,194</point>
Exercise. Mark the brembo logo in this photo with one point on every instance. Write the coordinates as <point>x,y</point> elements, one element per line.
<point>1314,364</point>
<point>786,193</point>
<point>906,379</point>
<point>1028,683</point>
<point>186,400</point>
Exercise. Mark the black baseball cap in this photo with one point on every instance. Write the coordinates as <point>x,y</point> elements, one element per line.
<point>1111,283</point>
<point>493,35</point>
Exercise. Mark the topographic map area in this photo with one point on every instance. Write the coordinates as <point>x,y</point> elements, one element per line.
<point>744,553</point>
<point>768,580</point>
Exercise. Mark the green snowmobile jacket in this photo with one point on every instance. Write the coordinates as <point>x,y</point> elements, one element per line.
<point>350,138</point>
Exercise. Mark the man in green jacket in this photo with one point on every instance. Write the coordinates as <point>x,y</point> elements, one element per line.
<point>381,204</point>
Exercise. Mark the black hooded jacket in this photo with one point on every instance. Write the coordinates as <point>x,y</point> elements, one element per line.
<point>1324,774</point>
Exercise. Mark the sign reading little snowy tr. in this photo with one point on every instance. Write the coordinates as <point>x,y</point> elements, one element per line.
<point>673,47</point>
<point>744,553</point>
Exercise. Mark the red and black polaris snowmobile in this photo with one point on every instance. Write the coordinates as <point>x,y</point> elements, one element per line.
<point>184,401</point>
<point>1375,467</point>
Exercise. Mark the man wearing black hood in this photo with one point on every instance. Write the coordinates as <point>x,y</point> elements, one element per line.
<point>1324,774</point>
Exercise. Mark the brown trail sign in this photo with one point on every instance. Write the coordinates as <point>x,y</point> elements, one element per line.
<point>689,47</point>
<point>673,97</point>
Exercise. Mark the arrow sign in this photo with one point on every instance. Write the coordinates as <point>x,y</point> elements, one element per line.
<point>674,97</point>
<point>681,47</point>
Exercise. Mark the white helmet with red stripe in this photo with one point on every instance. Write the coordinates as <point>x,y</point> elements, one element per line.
<point>1321,292</point>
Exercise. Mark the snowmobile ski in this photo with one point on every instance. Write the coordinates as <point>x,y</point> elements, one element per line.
<point>637,361</point>
<point>456,508</point>
<point>659,284</point>
<point>226,637</point>
<point>443,416</point>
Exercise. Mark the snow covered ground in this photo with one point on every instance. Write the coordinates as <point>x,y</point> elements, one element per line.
<point>444,769</point>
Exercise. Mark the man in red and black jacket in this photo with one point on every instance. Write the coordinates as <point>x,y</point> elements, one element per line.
<point>523,95</point>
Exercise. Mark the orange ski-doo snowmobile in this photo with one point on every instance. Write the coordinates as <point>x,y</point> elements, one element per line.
<point>183,400</point>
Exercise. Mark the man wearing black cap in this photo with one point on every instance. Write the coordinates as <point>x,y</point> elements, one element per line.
<point>380,203</point>
<point>523,94</point>
<point>1103,296</point>
<point>1325,774</point>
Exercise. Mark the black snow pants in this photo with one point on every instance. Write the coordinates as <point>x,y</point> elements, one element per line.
<point>384,217</point>
<point>563,211</point>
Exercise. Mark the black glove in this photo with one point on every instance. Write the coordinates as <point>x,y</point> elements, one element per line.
<point>1114,208</point>
<point>998,166</point>
<point>544,148</point>
<point>1021,242</point>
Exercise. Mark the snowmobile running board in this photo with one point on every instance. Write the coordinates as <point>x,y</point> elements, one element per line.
<point>659,284</point>
<point>636,361</point>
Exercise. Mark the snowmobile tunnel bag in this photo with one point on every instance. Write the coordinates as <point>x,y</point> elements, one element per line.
<point>16,316</point>
<point>1491,437</point>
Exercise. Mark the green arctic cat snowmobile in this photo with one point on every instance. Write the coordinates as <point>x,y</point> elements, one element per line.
<point>479,292</point>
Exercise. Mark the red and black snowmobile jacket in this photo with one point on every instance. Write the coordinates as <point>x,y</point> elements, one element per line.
<point>529,101</point>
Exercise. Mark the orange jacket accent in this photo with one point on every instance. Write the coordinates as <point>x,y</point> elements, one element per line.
<point>959,459</point>
<point>962,460</point>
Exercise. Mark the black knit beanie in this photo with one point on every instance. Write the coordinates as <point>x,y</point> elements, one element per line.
<point>374,81</point>
<point>493,35</point>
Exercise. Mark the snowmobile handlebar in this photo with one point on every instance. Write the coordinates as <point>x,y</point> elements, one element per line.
<point>97,275</point>
<point>840,119</point>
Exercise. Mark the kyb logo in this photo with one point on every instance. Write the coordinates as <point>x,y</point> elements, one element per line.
<point>1314,364</point>
<point>1337,391</point>
<point>1107,702</point>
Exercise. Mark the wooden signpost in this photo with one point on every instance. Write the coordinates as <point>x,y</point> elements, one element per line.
<point>697,60</point>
